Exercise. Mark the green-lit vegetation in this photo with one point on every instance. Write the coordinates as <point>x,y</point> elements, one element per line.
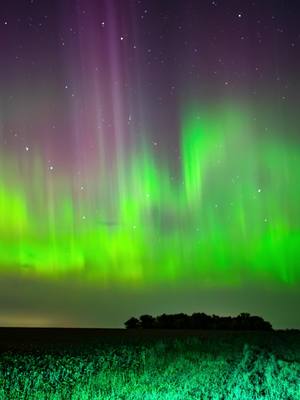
<point>223,366</point>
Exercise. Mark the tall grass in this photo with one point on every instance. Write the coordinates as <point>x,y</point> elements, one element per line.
<point>178,369</point>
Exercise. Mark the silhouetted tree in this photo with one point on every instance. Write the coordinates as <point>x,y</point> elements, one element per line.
<point>147,321</point>
<point>200,321</point>
<point>258,323</point>
<point>132,323</point>
<point>164,321</point>
<point>243,321</point>
<point>180,321</point>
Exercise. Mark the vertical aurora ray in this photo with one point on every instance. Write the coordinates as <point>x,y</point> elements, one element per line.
<point>126,160</point>
<point>224,219</point>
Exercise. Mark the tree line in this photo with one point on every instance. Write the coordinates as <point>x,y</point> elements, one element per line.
<point>243,322</point>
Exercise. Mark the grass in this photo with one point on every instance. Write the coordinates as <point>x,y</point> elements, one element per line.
<point>185,368</point>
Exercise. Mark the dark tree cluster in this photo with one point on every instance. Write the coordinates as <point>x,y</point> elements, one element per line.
<point>243,322</point>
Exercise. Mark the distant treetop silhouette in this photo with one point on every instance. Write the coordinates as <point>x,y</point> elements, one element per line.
<point>243,322</point>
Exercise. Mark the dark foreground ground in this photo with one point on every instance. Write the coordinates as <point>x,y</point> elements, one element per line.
<point>111,364</point>
<point>27,339</point>
<point>52,339</point>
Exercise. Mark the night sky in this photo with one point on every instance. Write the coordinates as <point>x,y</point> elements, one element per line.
<point>149,160</point>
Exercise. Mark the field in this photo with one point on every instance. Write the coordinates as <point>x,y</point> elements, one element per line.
<point>160,365</point>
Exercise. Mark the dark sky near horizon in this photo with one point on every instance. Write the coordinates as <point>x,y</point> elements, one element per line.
<point>149,160</point>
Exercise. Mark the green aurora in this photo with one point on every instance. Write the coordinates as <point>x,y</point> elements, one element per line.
<point>227,214</point>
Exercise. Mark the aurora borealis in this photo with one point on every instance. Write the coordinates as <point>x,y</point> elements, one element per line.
<point>149,144</point>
